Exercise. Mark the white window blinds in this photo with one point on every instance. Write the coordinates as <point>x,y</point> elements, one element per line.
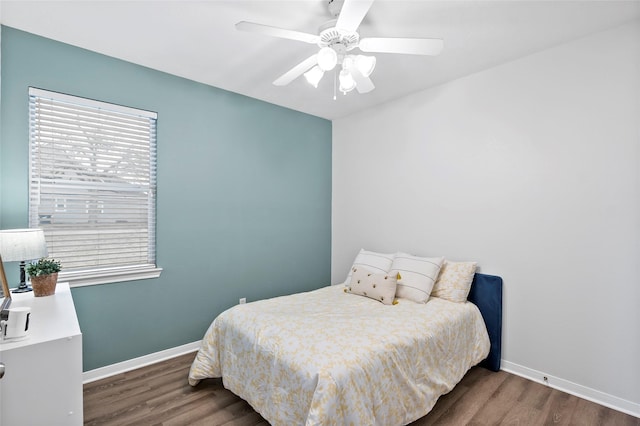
<point>93,184</point>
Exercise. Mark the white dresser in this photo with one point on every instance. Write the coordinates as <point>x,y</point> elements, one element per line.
<point>42,384</point>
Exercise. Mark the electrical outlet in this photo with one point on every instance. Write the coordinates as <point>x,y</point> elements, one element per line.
<point>242,300</point>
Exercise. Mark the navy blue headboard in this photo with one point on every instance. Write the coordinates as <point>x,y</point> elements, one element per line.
<point>486,294</point>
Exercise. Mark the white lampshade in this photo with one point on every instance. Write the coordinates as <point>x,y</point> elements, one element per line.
<point>347,83</point>
<point>365,64</point>
<point>314,75</point>
<point>327,59</point>
<point>17,245</point>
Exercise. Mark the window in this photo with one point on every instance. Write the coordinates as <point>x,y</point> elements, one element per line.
<point>92,186</point>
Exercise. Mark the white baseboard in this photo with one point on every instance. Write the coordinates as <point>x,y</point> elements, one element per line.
<point>580,391</point>
<point>132,364</point>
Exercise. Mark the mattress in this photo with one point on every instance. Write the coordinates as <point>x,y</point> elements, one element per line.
<point>329,357</point>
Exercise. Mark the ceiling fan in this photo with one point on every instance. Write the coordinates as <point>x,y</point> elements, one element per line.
<point>337,39</point>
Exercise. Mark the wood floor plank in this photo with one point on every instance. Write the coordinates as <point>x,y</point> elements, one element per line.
<point>446,401</point>
<point>196,411</point>
<point>559,409</point>
<point>474,400</point>
<point>529,406</point>
<point>444,404</point>
<point>501,401</point>
<point>590,412</point>
<point>159,395</point>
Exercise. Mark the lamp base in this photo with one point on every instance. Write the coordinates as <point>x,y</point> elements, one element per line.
<point>23,287</point>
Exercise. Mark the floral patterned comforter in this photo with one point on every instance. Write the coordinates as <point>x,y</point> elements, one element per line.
<point>327,357</point>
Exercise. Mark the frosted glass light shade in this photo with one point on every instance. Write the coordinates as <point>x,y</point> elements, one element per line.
<point>314,75</point>
<point>347,83</point>
<point>365,64</point>
<point>17,245</point>
<point>327,59</point>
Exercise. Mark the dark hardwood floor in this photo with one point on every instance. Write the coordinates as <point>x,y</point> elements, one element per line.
<point>160,395</point>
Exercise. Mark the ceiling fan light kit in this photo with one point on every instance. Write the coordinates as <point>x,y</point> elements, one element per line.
<point>327,58</point>
<point>337,37</point>
<point>314,75</point>
<point>347,83</point>
<point>365,64</point>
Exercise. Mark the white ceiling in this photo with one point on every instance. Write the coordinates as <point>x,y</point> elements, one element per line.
<point>197,39</point>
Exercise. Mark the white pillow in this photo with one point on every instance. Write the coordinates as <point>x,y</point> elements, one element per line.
<point>378,263</point>
<point>417,275</point>
<point>454,281</point>
<point>380,287</point>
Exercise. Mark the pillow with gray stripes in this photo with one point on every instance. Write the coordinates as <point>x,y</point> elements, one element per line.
<point>378,263</point>
<point>417,275</point>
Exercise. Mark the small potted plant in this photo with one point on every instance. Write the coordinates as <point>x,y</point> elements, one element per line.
<point>44,276</point>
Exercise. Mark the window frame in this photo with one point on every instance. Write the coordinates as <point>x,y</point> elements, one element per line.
<point>101,274</point>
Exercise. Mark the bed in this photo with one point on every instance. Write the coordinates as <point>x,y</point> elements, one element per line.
<point>329,357</point>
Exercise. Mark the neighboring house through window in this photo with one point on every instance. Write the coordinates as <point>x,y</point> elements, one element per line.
<point>92,186</point>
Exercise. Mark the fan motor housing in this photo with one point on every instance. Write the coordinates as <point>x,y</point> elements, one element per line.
<point>330,36</point>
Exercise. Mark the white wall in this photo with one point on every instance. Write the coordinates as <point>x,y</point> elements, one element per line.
<point>532,169</point>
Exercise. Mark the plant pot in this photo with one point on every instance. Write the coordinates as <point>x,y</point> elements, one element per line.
<point>44,285</point>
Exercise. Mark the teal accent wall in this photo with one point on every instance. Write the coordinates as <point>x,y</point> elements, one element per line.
<point>244,196</point>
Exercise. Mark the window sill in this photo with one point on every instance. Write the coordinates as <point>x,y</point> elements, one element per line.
<point>107,276</point>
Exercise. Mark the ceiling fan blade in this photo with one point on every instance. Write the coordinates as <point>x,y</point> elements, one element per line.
<point>252,27</point>
<point>352,14</point>
<point>363,84</point>
<point>411,46</point>
<point>297,71</point>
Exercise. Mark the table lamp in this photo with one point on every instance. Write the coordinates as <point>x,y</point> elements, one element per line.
<point>19,245</point>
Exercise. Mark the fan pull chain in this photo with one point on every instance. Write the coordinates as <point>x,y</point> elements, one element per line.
<point>335,84</point>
